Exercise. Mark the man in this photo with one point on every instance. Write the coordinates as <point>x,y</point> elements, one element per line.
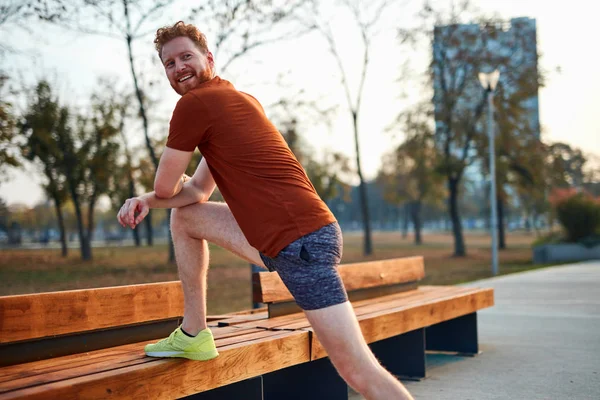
<point>273,216</point>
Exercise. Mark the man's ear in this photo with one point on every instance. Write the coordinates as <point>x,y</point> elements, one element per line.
<point>211,60</point>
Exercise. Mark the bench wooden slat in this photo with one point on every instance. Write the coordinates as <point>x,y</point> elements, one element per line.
<point>383,324</point>
<point>49,378</point>
<point>106,359</point>
<point>82,366</point>
<point>27,370</point>
<point>239,319</point>
<point>435,293</point>
<point>291,321</point>
<point>98,356</point>
<point>47,314</point>
<point>426,295</point>
<point>172,378</point>
<point>268,287</point>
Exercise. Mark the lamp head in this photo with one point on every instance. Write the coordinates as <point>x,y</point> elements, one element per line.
<point>489,80</point>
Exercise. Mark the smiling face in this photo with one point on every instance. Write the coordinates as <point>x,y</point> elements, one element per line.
<point>185,64</point>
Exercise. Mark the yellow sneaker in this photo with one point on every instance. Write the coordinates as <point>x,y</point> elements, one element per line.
<point>178,344</point>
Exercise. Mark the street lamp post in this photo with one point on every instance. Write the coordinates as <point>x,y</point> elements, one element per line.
<point>489,82</point>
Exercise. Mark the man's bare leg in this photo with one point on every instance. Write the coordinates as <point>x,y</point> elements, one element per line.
<point>192,227</point>
<point>336,326</point>
<point>192,257</point>
<point>338,331</point>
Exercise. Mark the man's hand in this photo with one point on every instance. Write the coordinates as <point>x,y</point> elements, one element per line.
<point>127,213</point>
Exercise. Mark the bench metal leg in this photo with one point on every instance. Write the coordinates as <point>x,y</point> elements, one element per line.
<point>250,389</point>
<point>456,335</point>
<point>312,380</point>
<point>403,355</point>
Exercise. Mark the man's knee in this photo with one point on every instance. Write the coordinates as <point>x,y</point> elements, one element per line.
<point>358,377</point>
<point>176,220</point>
<point>180,217</point>
<point>196,219</point>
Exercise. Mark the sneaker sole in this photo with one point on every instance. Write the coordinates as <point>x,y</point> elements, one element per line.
<point>203,356</point>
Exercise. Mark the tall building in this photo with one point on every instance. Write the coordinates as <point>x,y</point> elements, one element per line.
<point>460,52</point>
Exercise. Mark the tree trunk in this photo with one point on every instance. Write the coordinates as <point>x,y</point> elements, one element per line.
<point>61,227</point>
<point>528,219</point>
<point>84,245</point>
<point>415,211</point>
<point>136,236</point>
<point>131,182</point>
<point>171,244</point>
<point>459,242</point>
<point>143,114</point>
<point>136,230</point>
<point>364,203</point>
<point>501,231</point>
<point>142,107</point>
<point>405,220</point>
<point>142,110</point>
<point>149,233</point>
<point>91,224</point>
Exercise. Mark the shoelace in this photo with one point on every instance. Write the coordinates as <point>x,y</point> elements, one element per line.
<point>169,339</point>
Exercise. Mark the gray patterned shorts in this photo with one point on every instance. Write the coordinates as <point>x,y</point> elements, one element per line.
<point>308,268</point>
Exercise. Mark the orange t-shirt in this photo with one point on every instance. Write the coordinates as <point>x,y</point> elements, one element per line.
<point>266,188</point>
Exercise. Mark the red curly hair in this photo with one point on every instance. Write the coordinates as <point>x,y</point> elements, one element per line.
<point>168,33</point>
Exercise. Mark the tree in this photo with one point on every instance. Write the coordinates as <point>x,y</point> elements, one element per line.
<point>241,26</point>
<point>7,130</point>
<point>101,141</point>
<point>460,52</point>
<point>123,20</point>
<point>365,15</point>
<point>4,215</point>
<point>13,13</point>
<point>458,105</point>
<point>408,174</point>
<point>592,176</point>
<point>550,167</point>
<point>16,11</point>
<point>122,183</point>
<point>565,165</point>
<point>77,154</point>
<point>40,126</point>
<point>516,122</point>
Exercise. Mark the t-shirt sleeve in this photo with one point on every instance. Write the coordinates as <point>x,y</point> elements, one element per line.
<point>188,127</point>
<point>255,101</point>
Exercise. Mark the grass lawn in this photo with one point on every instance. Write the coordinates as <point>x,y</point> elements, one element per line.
<point>30,271</point>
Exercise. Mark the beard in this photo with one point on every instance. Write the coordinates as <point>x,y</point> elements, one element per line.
<point>205,76</point>
<point>199,78</point>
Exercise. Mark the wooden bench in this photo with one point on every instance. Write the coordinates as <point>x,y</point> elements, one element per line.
<point>399,319</point>
<point>89,343</point>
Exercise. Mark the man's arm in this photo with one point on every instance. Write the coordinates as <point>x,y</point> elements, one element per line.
<point>168,180</point>
<point>197,189</point>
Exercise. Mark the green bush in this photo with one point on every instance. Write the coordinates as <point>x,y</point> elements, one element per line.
<point>550,238</point>
<point>579,215</point>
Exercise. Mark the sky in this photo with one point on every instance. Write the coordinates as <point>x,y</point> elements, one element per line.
<point>569,102</point>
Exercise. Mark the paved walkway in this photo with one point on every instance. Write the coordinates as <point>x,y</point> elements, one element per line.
<point>541,341</point>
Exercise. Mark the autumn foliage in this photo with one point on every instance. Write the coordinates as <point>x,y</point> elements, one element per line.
<point>578,213</point>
